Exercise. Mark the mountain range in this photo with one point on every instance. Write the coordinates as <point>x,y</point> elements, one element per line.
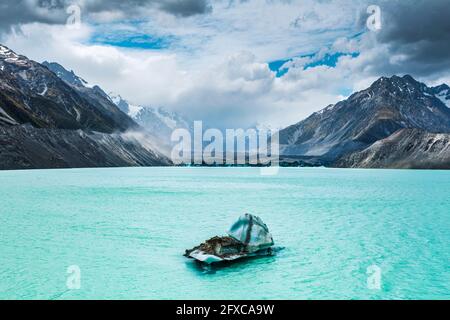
<point>368,117</point>
<point>157,123</point>
<point>52,118</point>
<point>49,120</point>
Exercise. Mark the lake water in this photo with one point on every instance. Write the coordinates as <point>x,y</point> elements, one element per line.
<point>126,229</point>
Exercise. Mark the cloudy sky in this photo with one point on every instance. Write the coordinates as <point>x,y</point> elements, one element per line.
<point>234,63</point>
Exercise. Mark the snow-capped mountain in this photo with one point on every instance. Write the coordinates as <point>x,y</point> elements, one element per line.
<point>158,121</point>
<point>52,122</point>
<point>388,105</point>
<point>32,93</point>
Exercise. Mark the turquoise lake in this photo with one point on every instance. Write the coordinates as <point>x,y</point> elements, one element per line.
<point>127,228</point>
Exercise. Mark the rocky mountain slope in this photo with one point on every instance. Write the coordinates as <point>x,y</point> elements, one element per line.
<point>47,121</point>
<point>26,147</point>
<point>94,95</point>
<point>31,93</point>
<point>406,148</point>
<point>388,105</point>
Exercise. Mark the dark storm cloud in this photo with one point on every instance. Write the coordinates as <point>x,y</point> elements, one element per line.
<point>186,7</point>
<point>183,8</point>
<point>16,12</point>
<point>419,32</point>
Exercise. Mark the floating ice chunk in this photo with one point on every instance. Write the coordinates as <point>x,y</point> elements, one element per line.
<point>252,232</point>
<point>247,237</point>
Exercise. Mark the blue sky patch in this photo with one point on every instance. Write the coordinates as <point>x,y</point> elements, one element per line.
<point>129,34</point>
<point>329,60</point>
<point>142,41</point>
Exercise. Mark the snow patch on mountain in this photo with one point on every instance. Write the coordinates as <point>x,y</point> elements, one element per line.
<point>11,57</point>
<point>115,98</point>
<point>133,110</point>
<point>329,108</point>
<point>44,91</point>
<point>155,120</point>
<point>444,96</point>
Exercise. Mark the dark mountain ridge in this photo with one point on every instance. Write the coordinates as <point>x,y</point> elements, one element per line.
<point>50,118</point>
<point>405,149</point>
<point>354,124</point>
<point>94,95</point>
<point>31,93</point>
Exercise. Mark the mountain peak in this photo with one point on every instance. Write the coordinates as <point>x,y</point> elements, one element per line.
<point>401,86</point>
<point>10,56</point>
<point>388,105</point>
<point>397,80</point>
<point>120,102</point>
<point>440,88</point>
<point>409,78</point>
<point>48,96</point>
<point>4,50</point>
<point>64,74</point>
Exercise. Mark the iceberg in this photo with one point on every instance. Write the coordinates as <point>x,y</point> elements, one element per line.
<point>247,237</point>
